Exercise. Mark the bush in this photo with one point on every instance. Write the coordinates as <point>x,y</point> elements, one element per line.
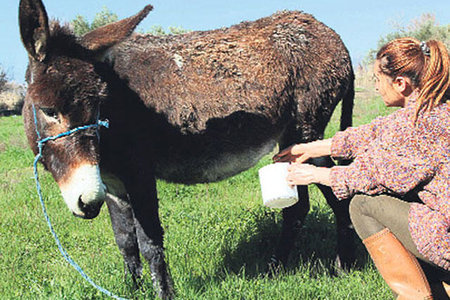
<point>425,28</point>
<point>104,17</point>
<point>11,98</point>
<point>159,30</point>
<point>3,80</point>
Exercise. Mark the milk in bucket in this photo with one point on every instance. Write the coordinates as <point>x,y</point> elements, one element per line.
<point>276,192</point>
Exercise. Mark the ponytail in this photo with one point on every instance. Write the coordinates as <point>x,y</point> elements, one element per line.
<point>427,65</point>
<point>436,78</point>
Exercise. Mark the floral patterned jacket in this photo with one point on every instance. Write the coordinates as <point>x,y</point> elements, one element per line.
<point>394,155</point>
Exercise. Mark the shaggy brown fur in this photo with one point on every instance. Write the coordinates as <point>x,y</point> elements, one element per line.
<point>257,67</point>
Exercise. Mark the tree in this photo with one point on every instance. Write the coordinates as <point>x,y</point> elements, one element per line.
<point>159,30</point>
<point>3,79</point>
<point>104,17</point>
<point>178,30</point>
<point>424,28</point>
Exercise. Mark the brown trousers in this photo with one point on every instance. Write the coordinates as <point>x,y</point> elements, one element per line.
<point>371,214</point>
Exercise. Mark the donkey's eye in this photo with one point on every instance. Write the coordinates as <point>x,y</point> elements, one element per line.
<point>50,112</point>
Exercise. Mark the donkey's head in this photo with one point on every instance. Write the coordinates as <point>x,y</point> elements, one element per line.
<point>65,90</point>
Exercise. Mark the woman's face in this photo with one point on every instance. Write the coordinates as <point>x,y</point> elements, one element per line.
<point>388,88</point>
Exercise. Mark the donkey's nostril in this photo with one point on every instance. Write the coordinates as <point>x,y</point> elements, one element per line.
<point>81,204</point>
<point>90,211</point>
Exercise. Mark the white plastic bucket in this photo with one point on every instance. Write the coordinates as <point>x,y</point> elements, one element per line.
<point>276,192</point>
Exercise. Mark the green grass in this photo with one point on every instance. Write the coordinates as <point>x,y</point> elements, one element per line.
<point>218,238</point>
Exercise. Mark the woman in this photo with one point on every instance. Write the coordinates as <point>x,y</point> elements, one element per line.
<point>395,158</point>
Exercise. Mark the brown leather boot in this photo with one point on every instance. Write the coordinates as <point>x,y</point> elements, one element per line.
<point>398,267</point>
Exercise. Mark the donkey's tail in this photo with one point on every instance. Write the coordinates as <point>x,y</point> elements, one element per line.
<point>347,110</point>
<point>347,103</point>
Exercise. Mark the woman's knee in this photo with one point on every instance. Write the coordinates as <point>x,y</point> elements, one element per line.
<point>357,207</point>
<point>370,214</point>
<point>361,214</point>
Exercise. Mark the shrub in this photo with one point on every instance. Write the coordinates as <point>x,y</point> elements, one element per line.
<point>424,28</point>
<point>3,80</point>
<point>104,17</point>
<point>11,98</point>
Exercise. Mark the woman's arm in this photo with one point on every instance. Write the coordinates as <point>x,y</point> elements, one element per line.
<point>368,174</point>
<point>381,171</point>
<point>349,143</point>
<point>345,144</point>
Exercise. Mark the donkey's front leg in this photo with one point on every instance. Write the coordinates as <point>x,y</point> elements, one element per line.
<point>293,219</point>
<point>150,239</point>
<point>122,220</point>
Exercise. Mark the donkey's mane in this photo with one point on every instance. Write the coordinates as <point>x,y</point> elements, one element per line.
<point>65,41</point>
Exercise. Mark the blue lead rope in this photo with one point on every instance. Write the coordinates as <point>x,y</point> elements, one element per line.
<point>41,142</point>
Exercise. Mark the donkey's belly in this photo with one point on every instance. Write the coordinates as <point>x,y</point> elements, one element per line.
<point>212,167</point>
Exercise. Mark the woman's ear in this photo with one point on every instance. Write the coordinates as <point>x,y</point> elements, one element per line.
<point>403,85</point>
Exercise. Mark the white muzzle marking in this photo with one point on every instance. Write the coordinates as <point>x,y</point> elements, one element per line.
<point>85,185</point>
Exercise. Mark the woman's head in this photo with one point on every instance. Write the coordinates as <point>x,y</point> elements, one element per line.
<point>423,66</point>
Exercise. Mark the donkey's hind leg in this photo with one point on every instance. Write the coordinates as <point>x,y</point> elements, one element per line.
<point>294,217</point>
<point>123,225</point>
<point>345,244</point>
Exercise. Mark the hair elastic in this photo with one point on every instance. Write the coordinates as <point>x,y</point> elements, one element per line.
<point>425,49</point>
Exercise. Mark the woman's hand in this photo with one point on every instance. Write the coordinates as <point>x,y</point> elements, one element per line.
<point>294,153</point>
<point>304,174</point>
<point>300,153</point>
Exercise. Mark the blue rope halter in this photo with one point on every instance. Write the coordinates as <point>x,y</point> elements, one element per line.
<point>41,143</point>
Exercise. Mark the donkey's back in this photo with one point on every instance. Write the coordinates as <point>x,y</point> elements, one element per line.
<point>278,63</point>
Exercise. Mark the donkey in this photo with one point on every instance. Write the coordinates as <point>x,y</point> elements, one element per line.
<point>192,108</point>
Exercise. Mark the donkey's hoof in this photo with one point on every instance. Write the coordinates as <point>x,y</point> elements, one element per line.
<point>340,267</point>
<point>166,294</point>
<point>274,268</point>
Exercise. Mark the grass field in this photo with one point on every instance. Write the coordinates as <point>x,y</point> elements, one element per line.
<point>218,238</point>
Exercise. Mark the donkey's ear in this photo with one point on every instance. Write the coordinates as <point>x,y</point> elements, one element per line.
<point>34,29</point>
<point>109,35</point>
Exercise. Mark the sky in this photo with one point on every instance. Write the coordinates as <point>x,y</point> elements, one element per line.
<point>360,23</point>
